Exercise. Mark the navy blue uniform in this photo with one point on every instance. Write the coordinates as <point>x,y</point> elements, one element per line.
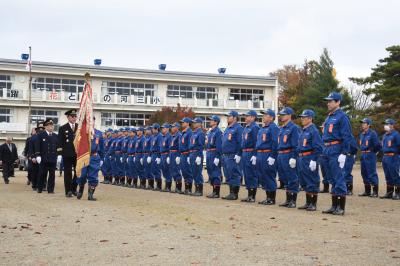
<point>46,148</point>
<point>147,154</point>
<point>391,160</point>
<point>34,165</point>
<point>231,146</point>
<point>369,145</point>
<point>287,149</point>
<point>155,154</point>
<point>139,161</point>
<point>131,173</point>
<point>214,151</point>
<point>197,141</point>
<point>267,146</point>
<point>184,150</point>
<point>174,169</point>
<point>309,148</point>
<point>249,140</point>
<point>164,149</point>
<point>106,167</point>
<point>337,138</point>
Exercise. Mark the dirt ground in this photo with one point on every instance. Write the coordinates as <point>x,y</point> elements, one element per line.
<point>137,227</point>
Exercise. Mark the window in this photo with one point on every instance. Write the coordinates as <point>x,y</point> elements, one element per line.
<point>123,88</point>
<point>41,115</point>
<point>242,119</point>
<point>182,91</point>
<point>5,115</point>
<point>123,119</point>
<point>206,93</point>
<point>5,83</point>
<point>246,94</point>
<point>56,84</point>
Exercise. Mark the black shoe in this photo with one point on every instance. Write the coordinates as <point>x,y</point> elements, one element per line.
<point>271,198</point>
<point>215,193</point>
<point>34,189</point>
<point>375,191</point>
<point>50,192</point>
<point>332,209</point>
<point>6,181</point>
<point>150,185</point>
<point>90,193</point>
<point>341,206</point>
<point>80,192</point>
<point>389,192</point>
<point>178,187</point>
<point>158,185</point>
<point>199,191</point>
<point>233,195</point>
<point>188,188</point>
<point>292,202</point>
<point>286,203</point>
<point>134,183</point>
<point>168,186</point>
<point>350,189</point>
<point>69,194</point>
<point>326,188</point>
<point>142,184</point>
<point>313,202</point>
<point>75,193</point>
<point>28,183</point>
<point>39,191</point>
<point>308,202</point>
<point>251,196</point>
<point>367,191</point>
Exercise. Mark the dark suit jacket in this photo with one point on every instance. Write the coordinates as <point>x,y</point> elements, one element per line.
<point>66,140</point>
<point>6,155</point>
<point>46,147</point>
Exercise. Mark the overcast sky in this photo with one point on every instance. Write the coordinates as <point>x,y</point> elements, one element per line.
<point>251,37</point>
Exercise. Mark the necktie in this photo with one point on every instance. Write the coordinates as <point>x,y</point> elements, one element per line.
<point>9,146</point>
<point>73,127</point>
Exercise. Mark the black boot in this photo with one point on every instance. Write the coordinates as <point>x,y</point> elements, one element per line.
<point>293,199</point>
<point>151,184</point>
<point>326,188</point>
<point>341,206</point>
<point>233,193</point>
<point>396,194</point>
<point>251,195</point>
<point>167,188</point>
<point>349,189</point>
<point>367,191</point>
<point>282,184</point>
<point>375,191</point>
<point>308,202</point>
<point>80,192</point>
<point>142,184</point>
<point>389,192</point>
<point>286,203</point>
<point>116,181</point>
<point>134,183</point>
<point>188,188</point>
<point>90,193</point>
<point>199,191</point>
<point>158,185</point>
<point>332,209</point>
<point>313,202</point>
<point>215,193</point>
<point>178,187</point>
<point>271,198</point>
<point>121,181</point>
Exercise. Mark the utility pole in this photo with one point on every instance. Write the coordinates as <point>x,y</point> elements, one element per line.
<point>30,91</point>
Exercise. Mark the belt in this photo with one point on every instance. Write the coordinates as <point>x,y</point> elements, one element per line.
<point>164,153</point>
<point>329,143</point>
<point>365,151</point>
<point>173,150</point>
<point>194,150</point>
<point>264,150</point>
<point>146,153</point>
<point>285,151</point>
<point>185,152</point>
<point>389,154</point>
<point>131,154</point>
<point>306,153</point>
<point>212,149</point>
<point>117,152</point>
<point>248,150</point>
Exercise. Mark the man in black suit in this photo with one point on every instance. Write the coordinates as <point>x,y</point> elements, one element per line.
<point>66,135</point>
<point>8,156</point>
<point>46,156</point>
<point>27,153</point>
<point>35,169</point>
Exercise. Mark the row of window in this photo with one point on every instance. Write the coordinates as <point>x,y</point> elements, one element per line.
<point>137,89</point>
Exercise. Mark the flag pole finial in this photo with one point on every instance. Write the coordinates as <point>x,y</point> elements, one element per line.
<point>87,76</point>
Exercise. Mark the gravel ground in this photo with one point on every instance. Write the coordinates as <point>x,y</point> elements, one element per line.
<point>136,227</point>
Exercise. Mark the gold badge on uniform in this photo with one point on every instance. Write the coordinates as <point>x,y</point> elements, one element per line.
<point>229,136</point>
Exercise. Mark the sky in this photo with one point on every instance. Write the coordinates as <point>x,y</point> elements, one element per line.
<point>253,37</point>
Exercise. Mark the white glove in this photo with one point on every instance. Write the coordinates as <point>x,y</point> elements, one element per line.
<point>101,163</point>
<point>149,160</point>
<point>121,159</point>
<point>253,160</point>
<point>59,158</point>
<point>188,160</point>
<point>198,160</point>
<point>141,161</point>
<point>168,160</point>
<point>237,158</point>
<point>313,165</point>
<point>216,161</point>
<point>127,159</point>
<point>38,159</point>
<point>341,159</point>
<point>134,159</point>
<point>178,160</point>
<point>271,161</point>
<point>292,163</point>
<point>158,160</point>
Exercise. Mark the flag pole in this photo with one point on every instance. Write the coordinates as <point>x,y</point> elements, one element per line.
<point>30,91</point>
